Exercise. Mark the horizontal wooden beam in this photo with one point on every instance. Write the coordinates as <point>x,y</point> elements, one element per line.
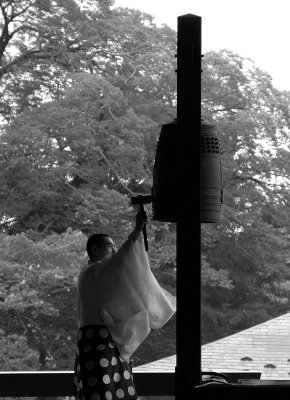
<point>60,383</point>
<point>220,391</point>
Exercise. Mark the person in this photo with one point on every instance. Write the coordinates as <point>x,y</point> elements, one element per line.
<point>119,301</point>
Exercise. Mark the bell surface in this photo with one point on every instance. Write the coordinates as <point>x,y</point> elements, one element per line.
<point>164,193</point>
<point>165,173</point>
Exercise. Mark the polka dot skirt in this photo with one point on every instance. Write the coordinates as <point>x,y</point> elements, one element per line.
<point>100,372</point>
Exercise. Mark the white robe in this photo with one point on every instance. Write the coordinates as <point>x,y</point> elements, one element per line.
<point>128,296</point>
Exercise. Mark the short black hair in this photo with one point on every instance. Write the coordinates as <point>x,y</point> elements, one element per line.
<point>98,239</point>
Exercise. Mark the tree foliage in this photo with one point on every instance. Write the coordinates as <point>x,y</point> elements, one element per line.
<point>86,88</point>
<point>251,243</point>
<point>38,290</point>
<point>79,139</point>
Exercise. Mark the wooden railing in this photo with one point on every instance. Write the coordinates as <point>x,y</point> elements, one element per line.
<point>60,383</point>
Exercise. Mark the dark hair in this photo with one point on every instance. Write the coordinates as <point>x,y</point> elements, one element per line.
<point>98,239</point>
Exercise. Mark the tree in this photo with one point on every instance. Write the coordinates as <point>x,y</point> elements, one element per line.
<point>76,144</point>
<point>34,57</point>
<point>79,140</point>
<point>250,243</point>
<point>26,28</point>
<point>124,46</point>
<point>37,286</point>
<point>93,127</point>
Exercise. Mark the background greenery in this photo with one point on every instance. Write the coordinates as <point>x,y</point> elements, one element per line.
<point>85,90</point>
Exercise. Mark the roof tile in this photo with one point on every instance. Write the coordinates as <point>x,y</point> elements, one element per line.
<point>267,344</point>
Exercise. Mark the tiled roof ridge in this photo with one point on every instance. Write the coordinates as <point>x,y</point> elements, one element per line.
<point>263,348</point>
<point>252,328</point>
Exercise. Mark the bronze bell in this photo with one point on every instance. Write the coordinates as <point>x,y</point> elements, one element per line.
<point>164,195</point>
<point>211,194</point>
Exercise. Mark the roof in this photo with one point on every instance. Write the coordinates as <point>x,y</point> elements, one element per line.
<point>262,348</point>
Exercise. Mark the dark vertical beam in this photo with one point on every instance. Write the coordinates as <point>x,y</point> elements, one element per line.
<point>188,341</point>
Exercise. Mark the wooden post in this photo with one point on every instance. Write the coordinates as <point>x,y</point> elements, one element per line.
<point>188,338</point>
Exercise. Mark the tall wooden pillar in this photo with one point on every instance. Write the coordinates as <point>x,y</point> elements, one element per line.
<point>188,340</point>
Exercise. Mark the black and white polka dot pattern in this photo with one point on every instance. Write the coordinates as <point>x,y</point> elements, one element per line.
<point>100,371</point>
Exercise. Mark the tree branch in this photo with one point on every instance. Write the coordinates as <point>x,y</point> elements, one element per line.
<point>114,171</point>
<point>3,224</point>
<point>4,38</point>
<point>86,201</point>
<point>110,111</point>
<point>9,366</point>
<point>232,109</point>
<point>5,35</point>
<point>17,60</point>
<point>134,72</point>
<point>250,178</point>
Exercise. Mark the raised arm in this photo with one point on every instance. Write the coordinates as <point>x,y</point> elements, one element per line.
<point>140,220</point>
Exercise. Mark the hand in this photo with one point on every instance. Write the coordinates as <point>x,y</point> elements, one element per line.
<point>141,220</point>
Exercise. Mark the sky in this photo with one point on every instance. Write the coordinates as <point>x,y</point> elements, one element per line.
<point>255,29</point>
